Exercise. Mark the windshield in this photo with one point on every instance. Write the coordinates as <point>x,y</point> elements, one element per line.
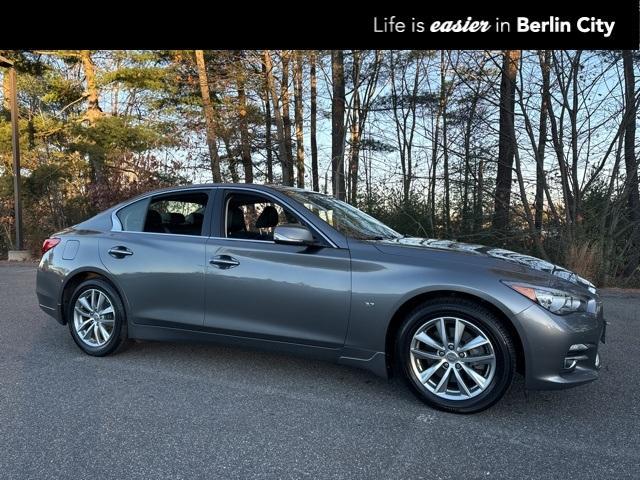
<point>345,218</point>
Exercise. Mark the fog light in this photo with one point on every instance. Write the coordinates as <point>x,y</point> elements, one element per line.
<point>578,347</point>
<point>571,361</point>
<point>597,360</point>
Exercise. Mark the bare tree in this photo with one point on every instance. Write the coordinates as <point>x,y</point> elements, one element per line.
<point>209,116</point>
<point>354,130</point>
<point>283,153</point>
<point>545,59</point>
<point>404,91</point>
<point>297,93</point>
<point>245,141</point>
<point>267,124</point>
<point>313,126</point>
<point>444,100</point>
<point>510,60</point>
<point>364,92</point>
<point>338,103</point>
<point>286,117</point>
<point>631,164</point>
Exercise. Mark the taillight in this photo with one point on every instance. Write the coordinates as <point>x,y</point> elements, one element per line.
<point>49,243</point>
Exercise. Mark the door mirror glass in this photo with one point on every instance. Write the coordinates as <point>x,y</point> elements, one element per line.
<point>293,235</point>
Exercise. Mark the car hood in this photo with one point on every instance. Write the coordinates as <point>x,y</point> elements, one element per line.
<point>410,243</point>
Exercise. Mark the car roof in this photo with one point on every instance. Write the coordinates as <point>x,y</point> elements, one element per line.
<point>194,186</point>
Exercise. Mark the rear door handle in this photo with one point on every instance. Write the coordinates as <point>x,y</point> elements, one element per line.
<point>120,252</point>
<point>224,261</point>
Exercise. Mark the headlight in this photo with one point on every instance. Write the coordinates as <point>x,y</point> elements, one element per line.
<point>556,301</point>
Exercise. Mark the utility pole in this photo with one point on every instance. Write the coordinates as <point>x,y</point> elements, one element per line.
<point>18,253</point>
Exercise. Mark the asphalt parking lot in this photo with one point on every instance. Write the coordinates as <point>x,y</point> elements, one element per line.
<point>200,411</point>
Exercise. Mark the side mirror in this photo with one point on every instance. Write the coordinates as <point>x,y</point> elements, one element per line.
<point>290,234</point>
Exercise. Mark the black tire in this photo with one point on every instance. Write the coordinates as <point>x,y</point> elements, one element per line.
<point>118,336</point>
<point>488,323</point>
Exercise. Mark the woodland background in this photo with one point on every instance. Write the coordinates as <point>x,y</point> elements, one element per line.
<point>530,150</point>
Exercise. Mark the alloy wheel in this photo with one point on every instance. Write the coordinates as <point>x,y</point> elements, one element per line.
<point>452,358</point>
<point>94,317</point>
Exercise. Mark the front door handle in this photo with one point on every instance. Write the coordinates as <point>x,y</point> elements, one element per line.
<point>119,252</point>
<point>224,261</point>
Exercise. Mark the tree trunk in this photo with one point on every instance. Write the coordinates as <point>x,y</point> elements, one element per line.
<point>283,154</point>
<point>297,102</point>
<point>6,92</point>
<point>314,114</point>
<point>267,125</point>
<point>231,158</point>
<point>286,118</point>
<point>466,214</point>
<point>633,197</point>
<point>209,116</point>
<point>245,142</point>
<point>478,220</point>
<point>93,113</point>
<point>505,145</point>
<point>354,153</point>
<point>445,147</point>
<point>434,171</point>
<point>337,124</point>
<point>545,59</point>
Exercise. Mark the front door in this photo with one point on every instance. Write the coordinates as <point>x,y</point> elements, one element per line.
<point>257,288</point>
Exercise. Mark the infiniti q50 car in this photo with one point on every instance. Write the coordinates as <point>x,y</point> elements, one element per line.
<point>301,272</point>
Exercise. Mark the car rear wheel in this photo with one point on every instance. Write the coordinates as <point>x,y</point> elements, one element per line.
<point>96,318</point>
<point>456,355</point>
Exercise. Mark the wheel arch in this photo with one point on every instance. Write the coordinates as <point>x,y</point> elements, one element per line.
<point>75,278</point>
<point>410,304</point>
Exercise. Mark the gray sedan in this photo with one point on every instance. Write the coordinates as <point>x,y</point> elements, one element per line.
<point>297,271</point>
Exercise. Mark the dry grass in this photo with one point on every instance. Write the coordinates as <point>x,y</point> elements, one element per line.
<point>585,260</point>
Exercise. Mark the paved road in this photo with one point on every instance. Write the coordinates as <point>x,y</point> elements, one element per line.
<point>193,411</point>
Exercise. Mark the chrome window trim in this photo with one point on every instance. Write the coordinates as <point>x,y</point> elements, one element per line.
<point>252,240</point>
<point>163,234</point>
<point>197,236</point>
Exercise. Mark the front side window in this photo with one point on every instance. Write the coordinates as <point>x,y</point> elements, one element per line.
<point>254,217</point>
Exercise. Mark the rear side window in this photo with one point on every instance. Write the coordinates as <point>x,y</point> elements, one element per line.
<point>132,216</point>
<point>178,214</point>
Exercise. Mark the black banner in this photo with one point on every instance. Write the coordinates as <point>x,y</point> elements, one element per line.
<point>322,25</point>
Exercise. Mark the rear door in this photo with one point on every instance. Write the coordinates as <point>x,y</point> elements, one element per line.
<point>158,257</point>
<point>258,288</point>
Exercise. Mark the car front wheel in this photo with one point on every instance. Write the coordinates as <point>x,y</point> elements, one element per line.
<point>96,318</point>
<point>456,355</point>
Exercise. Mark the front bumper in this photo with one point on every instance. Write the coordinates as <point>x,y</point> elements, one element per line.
<point>547,342</point>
